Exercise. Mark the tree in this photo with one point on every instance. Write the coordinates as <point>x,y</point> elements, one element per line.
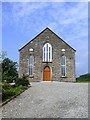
<point>9,70</point>
<point>2,55</point>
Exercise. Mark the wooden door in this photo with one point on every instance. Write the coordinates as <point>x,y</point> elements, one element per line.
<point>46,74</point>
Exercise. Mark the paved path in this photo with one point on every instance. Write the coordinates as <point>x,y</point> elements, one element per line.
<point>50,99</point>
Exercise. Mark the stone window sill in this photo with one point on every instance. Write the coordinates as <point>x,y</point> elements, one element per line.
<point>31,76</point>
<point>63,76</point>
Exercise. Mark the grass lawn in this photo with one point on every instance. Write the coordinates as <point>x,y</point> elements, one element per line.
<point>83,78</point>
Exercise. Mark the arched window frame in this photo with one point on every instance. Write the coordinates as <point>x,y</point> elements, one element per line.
<point>31,65</point>
<point>47,53</point>
<point>63,66</point>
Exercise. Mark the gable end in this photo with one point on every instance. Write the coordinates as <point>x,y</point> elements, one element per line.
<point>41,33</point>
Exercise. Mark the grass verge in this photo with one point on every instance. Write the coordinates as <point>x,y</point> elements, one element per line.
<point>8,92</point>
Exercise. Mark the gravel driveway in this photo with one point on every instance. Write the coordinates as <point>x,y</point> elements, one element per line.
<point>50,100</point>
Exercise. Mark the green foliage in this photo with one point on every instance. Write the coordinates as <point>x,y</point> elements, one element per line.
<point>8,91</point>
<point>9,70</point>
<point>83,78</point>
<point>0,76</point>
<point>2,55</point>
<point>7,94</point>
<point>6,86</point>
<point>8,74</point>
<point>22,81</point>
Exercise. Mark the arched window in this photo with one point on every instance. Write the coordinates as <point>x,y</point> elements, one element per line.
<point>63,65</point>
<point>31,65</point>
<point>47,53</point>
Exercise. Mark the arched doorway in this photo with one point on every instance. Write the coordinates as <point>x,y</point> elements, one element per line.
<point>46,73</point>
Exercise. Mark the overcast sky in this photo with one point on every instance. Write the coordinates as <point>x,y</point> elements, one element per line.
<point>22,21</point>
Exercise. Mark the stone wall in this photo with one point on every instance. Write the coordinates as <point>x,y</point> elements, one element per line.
<point>57,45</point>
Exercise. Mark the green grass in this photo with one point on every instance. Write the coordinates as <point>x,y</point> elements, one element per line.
<point>83,78</point>
<point>8,91</point>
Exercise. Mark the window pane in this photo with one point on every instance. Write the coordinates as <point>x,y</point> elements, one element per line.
<point>63,70</point>
<point>31,62</point>
<point>30,59</point>
<point>63,60</point>
<point>47,52</point>
<point>44,53</point>
<point>63,66</point>
<point>30,70</point>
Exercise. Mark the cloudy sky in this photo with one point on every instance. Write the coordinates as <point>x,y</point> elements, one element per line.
<point>22,21</point>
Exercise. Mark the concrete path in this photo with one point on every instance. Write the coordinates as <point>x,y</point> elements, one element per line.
<point>50,100</point>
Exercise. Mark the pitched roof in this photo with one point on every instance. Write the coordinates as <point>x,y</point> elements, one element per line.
<point>41,33</point>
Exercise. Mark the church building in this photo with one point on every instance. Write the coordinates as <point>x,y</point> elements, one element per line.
<point>47,58</point>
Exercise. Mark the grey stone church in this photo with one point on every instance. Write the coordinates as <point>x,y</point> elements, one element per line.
<point>47,58</point>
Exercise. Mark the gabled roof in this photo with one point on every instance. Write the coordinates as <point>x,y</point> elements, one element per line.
<point>41,33</point>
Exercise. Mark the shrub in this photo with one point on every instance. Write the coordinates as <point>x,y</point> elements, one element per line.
<point>22,81</point>
<point>22,87</point>
<point>9,70</point>
<point>6,86</point>
<point>7,92</point>
<point>8,79</point>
